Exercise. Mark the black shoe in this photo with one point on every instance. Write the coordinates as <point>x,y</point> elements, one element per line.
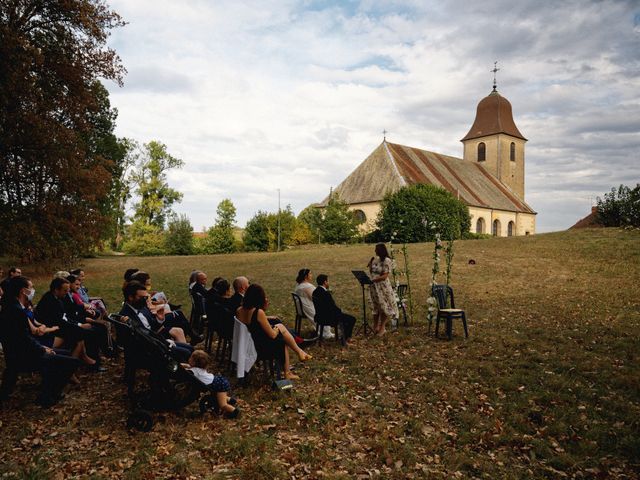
<point>232,401</point>
<point>232,415</point>
<point>196,339</point>
<point>97,369</point>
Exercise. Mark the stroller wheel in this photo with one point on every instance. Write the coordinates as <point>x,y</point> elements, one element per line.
<point>208,403</point>
<point>140,420</point>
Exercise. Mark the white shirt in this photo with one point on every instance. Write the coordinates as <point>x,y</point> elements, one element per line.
<point>202,375</point>
<point>305,291</point>
<point>142,318</point>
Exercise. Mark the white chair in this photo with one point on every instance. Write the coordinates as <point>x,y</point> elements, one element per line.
<point>243,353</point>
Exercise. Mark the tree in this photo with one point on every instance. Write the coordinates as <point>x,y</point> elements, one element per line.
<point>312,218</point>
<point>339,224</point>
<point>178,239</point>
<point>416,213</point>
<point>220,238</point>
<point>143,239</point>
<point>150,177</point>
<point>56,163</point>
<point>257,235</point>
<point>620,207</point>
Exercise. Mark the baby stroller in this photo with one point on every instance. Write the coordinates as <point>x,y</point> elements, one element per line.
<point>170,386</point>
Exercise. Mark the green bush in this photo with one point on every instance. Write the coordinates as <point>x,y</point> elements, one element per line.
<point>144,239</point>
<point>178,239</point>
<point>417,212</point>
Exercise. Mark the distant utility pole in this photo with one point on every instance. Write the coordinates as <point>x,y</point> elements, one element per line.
<point>278,219</point>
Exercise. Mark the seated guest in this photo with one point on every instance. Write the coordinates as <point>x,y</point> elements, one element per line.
<point>23,353</point>
<point>192,279</point>
<point>128,274</point>
<point>136,311</point>
<point>240,285</point>
<point>81,312</point>
<point>327,312</point>
<point>200,284</point>
<point>173,317</point>
<point>198,365</point>
<point>13,272</point>
<point>71,334</point>
<point>304,289</point>
<point>270,340</point>
<point>97,304</point>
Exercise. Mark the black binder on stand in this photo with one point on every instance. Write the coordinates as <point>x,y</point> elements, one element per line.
<point>363,279</point>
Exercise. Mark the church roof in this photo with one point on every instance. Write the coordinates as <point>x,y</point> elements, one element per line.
<point>392,166</point>
<point>493,115</point>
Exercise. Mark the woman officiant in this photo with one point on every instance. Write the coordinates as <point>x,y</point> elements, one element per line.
<point>383,298</point>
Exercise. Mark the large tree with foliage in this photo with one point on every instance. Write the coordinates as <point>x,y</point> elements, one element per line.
<point>220,237</point>
<point>156,197</point>
<point>620,207</point>
<point>55,169</point>
<point>416,213</point>
<point>339,224</point>
<point>256,236</point>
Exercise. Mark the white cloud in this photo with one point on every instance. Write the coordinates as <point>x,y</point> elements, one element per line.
<point>257,96</point>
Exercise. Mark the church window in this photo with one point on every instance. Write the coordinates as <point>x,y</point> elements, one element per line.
<point>480,225</point>
<point>496,228</point>
<point>510,229</point>
<point>482,152</point>
<point>512,152</point>
<point>360,216</point>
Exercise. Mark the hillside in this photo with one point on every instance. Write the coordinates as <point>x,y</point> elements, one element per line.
<point>547,385</point>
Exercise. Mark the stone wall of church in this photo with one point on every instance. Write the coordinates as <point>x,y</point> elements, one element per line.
<point>498,159</point>
<point>370,212</point>
<point>526,224</point>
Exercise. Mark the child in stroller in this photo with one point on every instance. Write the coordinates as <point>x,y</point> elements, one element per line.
<point>214,383</point>
<point>170,386</point>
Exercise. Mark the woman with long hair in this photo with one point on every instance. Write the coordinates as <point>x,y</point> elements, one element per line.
<point>383,298</point>
<point>269,339</point>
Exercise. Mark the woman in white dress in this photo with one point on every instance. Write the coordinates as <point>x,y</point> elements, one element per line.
<point>304,289</point>
<point>383,298</point>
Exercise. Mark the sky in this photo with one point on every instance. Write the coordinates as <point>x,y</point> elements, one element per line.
<point>268,95</point>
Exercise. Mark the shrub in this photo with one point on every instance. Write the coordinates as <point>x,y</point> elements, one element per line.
<point>417,212</point>
<point>144,239</point>
<point>178,239</point>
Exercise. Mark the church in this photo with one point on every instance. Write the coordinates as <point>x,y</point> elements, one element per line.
<point>489,178</point>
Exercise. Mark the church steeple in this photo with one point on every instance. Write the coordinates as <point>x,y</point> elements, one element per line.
<point>495,141</point>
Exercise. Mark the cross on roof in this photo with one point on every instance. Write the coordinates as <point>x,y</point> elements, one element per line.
<point>384,133</point>
<point>495,70</point>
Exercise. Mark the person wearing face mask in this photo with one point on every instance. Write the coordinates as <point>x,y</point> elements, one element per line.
<point>23,353</point>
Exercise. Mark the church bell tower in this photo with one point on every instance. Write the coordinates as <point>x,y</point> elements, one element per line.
<point>495,142</point>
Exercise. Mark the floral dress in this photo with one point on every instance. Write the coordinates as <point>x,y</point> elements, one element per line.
<point>383,298</point>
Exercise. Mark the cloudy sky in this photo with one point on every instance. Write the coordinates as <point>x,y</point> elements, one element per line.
<point>257,96</point>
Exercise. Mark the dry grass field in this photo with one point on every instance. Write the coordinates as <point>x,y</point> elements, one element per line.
<point>547,385</point>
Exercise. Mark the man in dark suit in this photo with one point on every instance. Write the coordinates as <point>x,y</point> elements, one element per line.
<point>13,272</point>
<point>136,310</point>
<point>327,312</point>
<point>23,353</point>
<point>240,285</point>
<point>50,311</point>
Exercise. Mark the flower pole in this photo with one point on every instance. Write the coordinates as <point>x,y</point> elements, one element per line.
<point>431,301</point>
<point>405,254</point>
<point>395,274</point>
<point>449,260</point>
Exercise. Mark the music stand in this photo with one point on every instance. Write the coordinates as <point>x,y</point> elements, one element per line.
<point>363,279</point>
